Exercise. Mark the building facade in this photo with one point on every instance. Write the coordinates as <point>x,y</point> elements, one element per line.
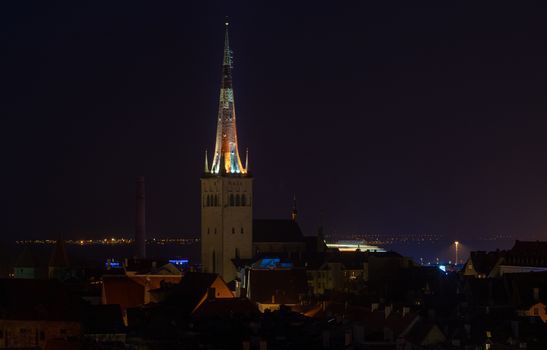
<point>226,190</point>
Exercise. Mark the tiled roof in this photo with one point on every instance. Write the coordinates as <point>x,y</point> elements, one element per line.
<point>484,262</point>
<point>188,293</point>
<point>527,253</point>
<point>284,286</point>
<point>123,291</point>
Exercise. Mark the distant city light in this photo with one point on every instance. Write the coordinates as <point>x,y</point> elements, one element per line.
<point>351,246</point>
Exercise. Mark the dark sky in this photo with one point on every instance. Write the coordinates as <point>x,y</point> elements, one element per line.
<point>387,118</point>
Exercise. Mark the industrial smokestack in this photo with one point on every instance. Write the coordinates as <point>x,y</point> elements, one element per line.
<point>140,221</point>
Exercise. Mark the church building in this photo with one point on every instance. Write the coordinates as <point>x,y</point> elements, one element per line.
<point>226,190</point>
<point>229,235</point>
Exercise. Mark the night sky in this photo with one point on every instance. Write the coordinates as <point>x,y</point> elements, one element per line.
<point>386,118</point>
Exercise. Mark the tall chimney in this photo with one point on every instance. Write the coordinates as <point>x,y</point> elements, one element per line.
<point>140,221</point>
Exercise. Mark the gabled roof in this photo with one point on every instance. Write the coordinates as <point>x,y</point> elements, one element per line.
<point>277,231</point>
<point>281,286</point>
<point>395,320</point>
<point>483,262</point>
<point>419,332</point>
<point>188,293</point>
<point>29,299</point>
<point>123,291</point>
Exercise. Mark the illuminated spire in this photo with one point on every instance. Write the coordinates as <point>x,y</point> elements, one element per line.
<point>226,158</point>
<point>206,163</point>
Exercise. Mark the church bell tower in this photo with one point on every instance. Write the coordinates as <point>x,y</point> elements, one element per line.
<point>226,189</point>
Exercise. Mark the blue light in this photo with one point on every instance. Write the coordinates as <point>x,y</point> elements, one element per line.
<point>267,262</point>
<point>442,268</point>
<point>113,264</point>
<point>179,262</point>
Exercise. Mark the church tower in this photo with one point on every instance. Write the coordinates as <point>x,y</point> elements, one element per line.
<point>226,190</point>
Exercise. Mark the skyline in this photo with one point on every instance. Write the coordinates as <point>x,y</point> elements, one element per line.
<point>405,131</point>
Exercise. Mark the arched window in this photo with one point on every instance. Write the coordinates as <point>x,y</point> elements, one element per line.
<point>242,230</point>
<point>238,201</point>
<point>231,200</point>
<point>243,200</point>
<point>208,201</point>
<point>233,230</point>
<point>216,200</point>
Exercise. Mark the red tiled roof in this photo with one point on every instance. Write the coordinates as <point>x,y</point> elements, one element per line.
<point>123,291</point>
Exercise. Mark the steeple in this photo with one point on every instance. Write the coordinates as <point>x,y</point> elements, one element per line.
<point>294,212</point>
<point>226,158</point>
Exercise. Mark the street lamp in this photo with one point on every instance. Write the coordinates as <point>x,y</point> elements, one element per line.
<point>456,243</point>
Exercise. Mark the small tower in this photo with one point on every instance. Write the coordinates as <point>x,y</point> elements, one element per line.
<point>226,189</point>
<point>59,266</point>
